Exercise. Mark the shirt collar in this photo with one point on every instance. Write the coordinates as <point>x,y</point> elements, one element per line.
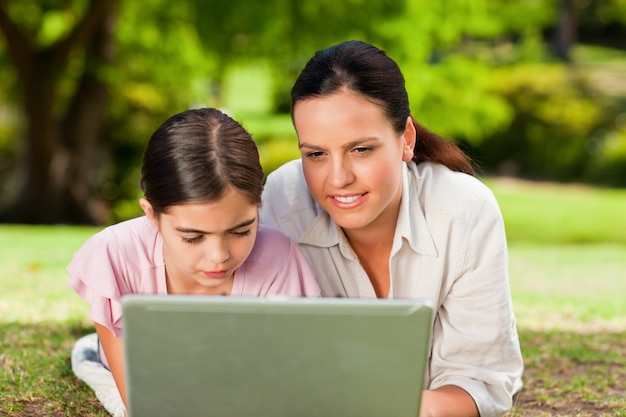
<point>412,225</point>
<point>324,232</point>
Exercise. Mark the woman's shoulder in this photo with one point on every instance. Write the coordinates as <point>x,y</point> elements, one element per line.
<point>439,188</point>
<point>287,203</point>
<point>287,177</point>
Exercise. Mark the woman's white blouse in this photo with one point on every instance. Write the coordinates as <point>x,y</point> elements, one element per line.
<point>449,247</point>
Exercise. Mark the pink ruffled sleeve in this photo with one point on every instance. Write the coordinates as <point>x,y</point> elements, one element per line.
<point>98,275</point>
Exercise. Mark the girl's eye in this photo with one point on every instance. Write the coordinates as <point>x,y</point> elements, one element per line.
<point>242,234</point>
<point>191,240</point>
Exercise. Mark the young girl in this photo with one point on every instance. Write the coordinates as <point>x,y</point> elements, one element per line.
<point>202,184</point>
<point>381,207</point>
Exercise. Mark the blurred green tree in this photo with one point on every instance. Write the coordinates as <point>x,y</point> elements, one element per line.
<point>93,78</point>
<point>94,75</point>
<point>50,47</point>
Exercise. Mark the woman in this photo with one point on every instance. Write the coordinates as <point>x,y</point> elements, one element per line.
<point>202,183</point>
<point>381,207</point>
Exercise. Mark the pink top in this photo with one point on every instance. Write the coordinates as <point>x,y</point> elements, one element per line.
<point>127,258</point>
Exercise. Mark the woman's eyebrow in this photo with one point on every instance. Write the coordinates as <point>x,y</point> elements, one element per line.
<point>348,145</point>
<point>306,145</point>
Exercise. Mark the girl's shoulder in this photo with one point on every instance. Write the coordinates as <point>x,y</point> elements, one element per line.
<point>128,241</point>
<point>270,240</point>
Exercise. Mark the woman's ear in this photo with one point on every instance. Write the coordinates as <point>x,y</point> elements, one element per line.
<point>409,137</point>
<point>149,212</point>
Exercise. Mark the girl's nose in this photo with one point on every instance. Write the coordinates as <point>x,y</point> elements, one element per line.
<point>217,250</point>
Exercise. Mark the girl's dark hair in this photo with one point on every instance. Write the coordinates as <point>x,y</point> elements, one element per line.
<point>365,69</point>
<point>195,156</point>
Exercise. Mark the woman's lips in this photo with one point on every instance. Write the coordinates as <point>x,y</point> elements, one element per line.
<point>347,201</point>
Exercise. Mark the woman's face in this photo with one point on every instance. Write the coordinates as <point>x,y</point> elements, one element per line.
<point>352,159</point>
<point>204,243</point>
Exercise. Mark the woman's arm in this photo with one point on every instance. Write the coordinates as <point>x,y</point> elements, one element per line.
<point>449,401</point>
<point>114,351</point>
<point>475,342</point>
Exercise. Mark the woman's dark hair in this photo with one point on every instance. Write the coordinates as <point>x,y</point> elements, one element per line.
<point>196,156</point>
<point>360,67</point>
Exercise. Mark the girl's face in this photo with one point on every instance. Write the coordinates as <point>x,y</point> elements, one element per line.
<point>352,159</point>
<point>204,243</point>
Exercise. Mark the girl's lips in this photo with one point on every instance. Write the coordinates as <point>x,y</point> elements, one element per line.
<point>215,274</point>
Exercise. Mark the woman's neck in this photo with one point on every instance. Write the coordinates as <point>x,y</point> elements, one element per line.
<point>372,245</point>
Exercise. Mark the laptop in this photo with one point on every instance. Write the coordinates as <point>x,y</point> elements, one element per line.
<point>274,356</point>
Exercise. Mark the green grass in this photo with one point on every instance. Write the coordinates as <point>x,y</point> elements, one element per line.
<point>568,276</point>
<point>572,374</point>
<point>569,287</point>
<point>33,273</point>
<point>542,213</point>
<point>36,378</point>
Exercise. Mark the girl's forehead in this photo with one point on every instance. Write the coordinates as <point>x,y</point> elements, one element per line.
<point>228,211</point>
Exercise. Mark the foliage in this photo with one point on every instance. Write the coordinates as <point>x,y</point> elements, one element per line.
<point>162,67</point>
<point>58,52</point>
<point>554,119</point>
<point>217,37</point>
<point>457,102</point>
<point>609,158</point>
<point>477,71</point>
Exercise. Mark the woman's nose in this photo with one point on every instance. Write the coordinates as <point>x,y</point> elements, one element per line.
<point>340,173</point>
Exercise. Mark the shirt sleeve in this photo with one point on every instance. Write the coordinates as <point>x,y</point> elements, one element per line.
<point>277,267</point>
<point>97,275</point>
<point>475,341</point>
<point>287,204</point>
<point>296,278</point>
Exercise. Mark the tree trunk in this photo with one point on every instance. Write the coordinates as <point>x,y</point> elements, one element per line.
<point>36,196</point>
<point>565,32</point>
<point>85,157</point>
<point>61,166</point>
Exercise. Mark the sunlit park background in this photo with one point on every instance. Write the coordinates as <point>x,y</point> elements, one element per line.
<point>534,90</point>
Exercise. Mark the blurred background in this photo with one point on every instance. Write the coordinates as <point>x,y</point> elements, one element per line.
<point>532,89</point>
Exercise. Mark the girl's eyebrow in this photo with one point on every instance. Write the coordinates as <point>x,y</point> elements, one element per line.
<point>202,232</point>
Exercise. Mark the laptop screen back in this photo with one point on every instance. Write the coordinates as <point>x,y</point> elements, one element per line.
<point>278,357</point>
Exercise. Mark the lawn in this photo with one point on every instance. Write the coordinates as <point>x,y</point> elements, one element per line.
<point>568,277</point>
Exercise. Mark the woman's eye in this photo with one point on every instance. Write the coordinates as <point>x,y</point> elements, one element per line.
<point>362,150</point>
<point>314,154</point>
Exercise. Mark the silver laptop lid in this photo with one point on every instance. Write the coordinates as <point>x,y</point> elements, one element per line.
<point>274,357</point>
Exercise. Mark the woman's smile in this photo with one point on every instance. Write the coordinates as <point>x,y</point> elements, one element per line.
<point>348,201</point>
